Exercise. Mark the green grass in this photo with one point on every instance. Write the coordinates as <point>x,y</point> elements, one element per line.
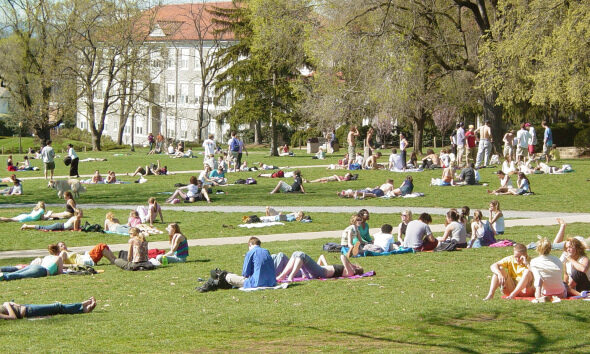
<point>417,302</point>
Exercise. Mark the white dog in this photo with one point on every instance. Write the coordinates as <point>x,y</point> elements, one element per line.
<point>69,185</point>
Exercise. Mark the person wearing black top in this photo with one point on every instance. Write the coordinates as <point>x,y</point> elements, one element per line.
<point>297,185</point>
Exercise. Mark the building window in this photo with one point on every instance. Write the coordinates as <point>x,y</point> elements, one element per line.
<point>98,90</point>
<point>171,58</point>
<point>183,93</point>
<point>139,130</point>
<point>127,129</point>
<point>171,94</point>
<point>184,55</point>
<point>197,94</point>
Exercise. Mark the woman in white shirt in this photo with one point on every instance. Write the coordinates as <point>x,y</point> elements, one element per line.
<point>74,163</point>
<point>455,230</point>
<point>548,273</point>
<point>194,192</point>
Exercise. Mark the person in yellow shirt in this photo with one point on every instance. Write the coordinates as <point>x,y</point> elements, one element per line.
<point>513,275</point>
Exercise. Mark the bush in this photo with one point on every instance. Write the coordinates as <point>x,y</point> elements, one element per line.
<point>565,133</point>
<point>85,137</point>
<point>582,139</point>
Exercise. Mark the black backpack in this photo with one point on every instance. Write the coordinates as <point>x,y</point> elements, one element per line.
<point>217,281</point>
<point>449,245</point>
<point>88,227</point>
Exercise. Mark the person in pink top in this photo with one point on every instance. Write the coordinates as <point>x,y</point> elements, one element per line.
<point>134,219</point>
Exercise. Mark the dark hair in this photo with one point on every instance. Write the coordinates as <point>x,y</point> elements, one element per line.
<point>193,180</point>
<point>452,214</point>
<point>53,249</point>
<point>70,145</point>
<point>386,228</point>
<point>425,218</point>
<point>465,211</point>
<point>254,241</point>
<point>297,173</point>
<point>500,172</point>
<point>394,151</point>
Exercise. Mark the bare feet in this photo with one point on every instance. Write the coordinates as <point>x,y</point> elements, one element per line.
<point>489,297</point>
<point>89,304</point>
<point>24,226</point>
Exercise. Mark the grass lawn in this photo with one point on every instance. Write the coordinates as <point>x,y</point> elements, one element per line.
<point>552,192</point>
<point>417,302</point>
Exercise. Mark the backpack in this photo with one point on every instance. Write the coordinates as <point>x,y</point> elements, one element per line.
<point>278,174</point>
<point>234,145</point>
<point>240,181</point>
<point>332,247</point>
<point>250,180</point>
<point>67,160</point>
<point>91,227</point>
<point>448,245</point>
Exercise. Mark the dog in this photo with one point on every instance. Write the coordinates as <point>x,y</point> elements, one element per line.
<point>67,185</point>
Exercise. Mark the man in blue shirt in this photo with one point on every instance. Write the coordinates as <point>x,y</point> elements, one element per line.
<point>258,269</point>
<point>547,140</point>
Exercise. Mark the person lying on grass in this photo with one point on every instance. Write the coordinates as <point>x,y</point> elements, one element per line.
<point>15,189</point>
<point>300,261</point>
<point>72,223</point>
<point>90,258</point>
<point>377,192</point>
<point>111,223</point>
<point>39,267</point>
<point>151,170</point>
<point>407,187</point>
<point>35,215</point>
<point>14,311</point>
<point>195,192</point>
<point>512,274</point>
<point>178,246</point>
<point>296,187</point>
<point>333,178</point>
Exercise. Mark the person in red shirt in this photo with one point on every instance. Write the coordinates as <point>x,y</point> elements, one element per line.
<point>470,138</point>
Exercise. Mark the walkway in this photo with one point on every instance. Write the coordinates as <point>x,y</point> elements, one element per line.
<point>547,220</point>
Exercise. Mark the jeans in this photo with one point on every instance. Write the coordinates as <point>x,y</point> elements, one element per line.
<point>280,261</point>
<point>52,227</point>
<point>123,264</point>
<point>122,229</point>
<point>483,152</point>
<point>310,268</point>
<point>53,309</point>
<point>74,167</point>
<point>30,271</point>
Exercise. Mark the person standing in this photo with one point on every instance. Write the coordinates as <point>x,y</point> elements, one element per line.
<point>532,140</point>
<point>159,143</point>
<point>470,139</point>
<point>151,142</point>
<point>508,144</point>
<point>547,140</point>
<point>75,160</point>
<point>210,147</point>
<point>403,145</point>
<point>351,140</point>
<point>523,137</point>
<point>48,156</point>
<point>233,150</point>
<point>240,152</point>
<point>485,144</point>
<point>460,139</point>
<point>367,150</point>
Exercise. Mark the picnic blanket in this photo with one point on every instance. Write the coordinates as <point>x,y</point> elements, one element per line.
<point>410,195</point>
<point>367,274</point>
<point>261,224</point>
<point>279,286</point>
<point>531,298</point>
<point>401,250</point>
<point>503,243</point>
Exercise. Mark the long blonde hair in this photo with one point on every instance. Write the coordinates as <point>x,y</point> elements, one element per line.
<point>134,232</point>
<point>40,205</point>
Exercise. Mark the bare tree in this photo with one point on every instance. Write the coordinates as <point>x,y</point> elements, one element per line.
<point>444,117</point>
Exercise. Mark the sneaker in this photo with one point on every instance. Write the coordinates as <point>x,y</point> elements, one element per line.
<point>584,293</point>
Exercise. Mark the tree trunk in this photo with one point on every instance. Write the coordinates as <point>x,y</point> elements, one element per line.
<point>273,138</point>
<point>418,124</point>
<point>201,114</point>
<point>96,136</point>
<point>43,132</point>
<point>257,133</point>
<point>493,113</point>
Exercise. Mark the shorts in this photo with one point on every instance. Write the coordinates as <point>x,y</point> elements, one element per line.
<point>285,188</point>
<point>519,151</point>
<point>50,165</point>
<point>234,155</point>
<point>546,148</point>
<point>508,150</point>
<point>531,149</point>
<point>96,252</point>
<point>351,153</point>
<point>378,192</point>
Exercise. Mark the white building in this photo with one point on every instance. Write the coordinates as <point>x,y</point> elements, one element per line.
<point>176,84</point>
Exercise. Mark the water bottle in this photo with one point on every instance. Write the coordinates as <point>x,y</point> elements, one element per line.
<point>164,261</point>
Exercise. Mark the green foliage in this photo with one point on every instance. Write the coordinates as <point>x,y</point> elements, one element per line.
<point>84,137</point>
<point>565,133</point>
<point>300,137</point>
<point>582,139</point>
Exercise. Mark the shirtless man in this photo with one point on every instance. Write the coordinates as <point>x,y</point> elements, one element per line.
<point>371,163</point>
<point>351,140</point>
<point>508,144</point>
<point>485,144</point>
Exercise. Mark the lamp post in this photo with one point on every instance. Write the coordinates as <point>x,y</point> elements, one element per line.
<point>20,137</point>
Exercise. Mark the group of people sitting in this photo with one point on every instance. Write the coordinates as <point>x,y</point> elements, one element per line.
<point>25,165</point>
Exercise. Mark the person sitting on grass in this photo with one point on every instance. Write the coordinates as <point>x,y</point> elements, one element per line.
<point>505,184</point>
<point>284,151</point>
<point>406,217</point>
<point>296,187</point>
<point>68,213</point>
<point>447,179</point>
<point>371,162</point>
<point>15,189</point>
<point>111,177</point>
<point>467,175</point>
<point>178,246</point>
<point>407,187</point>
<point>137,254</point>
<point>512,274</point>
<point>258,269</point>
<point>333,178</point>
<point>90,258</point>
<point>524,186</point>
<point>72,224</point>
<point>395,161</point>
<point>26,165</point>
<point>418,234</point>
<point>496,217</point>
<point>217,177</point>
<point>39,267</point>
<point>455,230</point>
<point>300,261</point>
<point>97,178</point>
<point>351,232</point>
<point>383,240</point>
<point>195,191</point>
<point>149,214</point>
<point>34,215</point>
<point>548,273</point>
<point>14,311</point>
<point>482,234</point>
<point>431,160</point>
<point>112,224</point>
<point>577,267</point>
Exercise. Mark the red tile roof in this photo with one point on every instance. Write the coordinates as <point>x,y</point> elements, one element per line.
<point>180,22</point>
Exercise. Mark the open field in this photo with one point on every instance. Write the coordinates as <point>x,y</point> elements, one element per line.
<point>416,302</point>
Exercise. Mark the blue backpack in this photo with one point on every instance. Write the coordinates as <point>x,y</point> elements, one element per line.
<point>234,145</point>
